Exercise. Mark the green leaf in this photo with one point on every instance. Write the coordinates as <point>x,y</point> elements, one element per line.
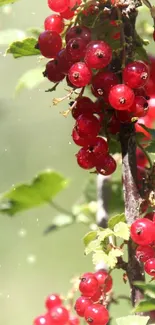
<point>99,256</point>
<point>8,36</point>
<point>30,79</point>
<point>132,320</point>
<point>23,48</point>
<point>121,230</point>
<point>93,246</point>
<point>89,237</point>
<point>109,259</point>
<point>41,190</point>
<point>104,234</point>
<point>59,221</point>
<point>148,288</point>
<point>6,2</point>
<point>116,219</point>
<point>145,305</point>
<point>140,54</point>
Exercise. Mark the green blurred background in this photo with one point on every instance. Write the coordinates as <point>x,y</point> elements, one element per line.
<point>34,136</point>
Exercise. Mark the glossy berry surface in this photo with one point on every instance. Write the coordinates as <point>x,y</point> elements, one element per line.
<point>97,314</point>
<point>140,106</point>
<point>142,231</point>
<point>42,320</point>
<point>96,297</point>
<point>149,266</point>
<point>79,31</point>
<point>88,285</point>
<point>58,5</point>
<point>54,23</point>
<point>84,106</point>
<point>85,159</point>
<point>59,315</point>
<point>104,280</point>
<point>106,165</point>
<point>82,141</point>
<point>121,97</point>
<point>102,82</point>
<point>74,320</point>
<point>50,43</point>
<point>98,146</point>
<point>136,74</point>
<point>52,301</point>
<point>63,61</point>
<point>53,72</point>
<point>75,49</point>
<point>98,54</point>
<point>81,304</point>
<point>87,124</point>
<point>67,14</point>
<point>143,253</point>
<point>79,74</point>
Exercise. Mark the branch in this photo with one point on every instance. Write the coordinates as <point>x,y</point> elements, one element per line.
<point>102,200</point>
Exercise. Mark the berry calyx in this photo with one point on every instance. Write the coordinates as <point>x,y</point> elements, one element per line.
<point>75,49</point>
<point>97,315</point>
<point>150,266</point>
<point>79,74</point>
<point>88,285</point>
<point>121,97</point>
<point>104,280</point>
<point>81,304</point>
<point>142,231</point>
<point>52,300</point>
<point>98,54</point>
<point>54,23</point>
<point>136,74</point>
<point>102,83</point>
<point>143,253</point>
<point>50,43</point>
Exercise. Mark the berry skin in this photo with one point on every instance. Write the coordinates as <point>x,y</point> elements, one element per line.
<point>98,54</point>
<point>79,31</point>
<point>73,320</point>
<point>150,266</point>
<point>141,158</point>
<point>84,106</point>
<point>88,125</point>
<point>42,320</point>
<point>143,253</point>
<point>96,297</point>
<point>98,146</point>
<point>80,141</point>
<point>140,106</point>
<point>53,72</point>
<point>136,74</point>
<point>123,116</point>
<point>97,315</point>
<point>85,159</point>
<point>88,285</point>
<point>102,83</point>
<point>142,231</point>
<point>121,97</point>
<point>114,125</point>
<point>79,74</point>
<point>63,61</point>
<point>50,43</point>
<point>75,49</point>
<point>104,280</point>
<point>52,301</point>
<point>106,165</point>
<point>54,23</point>
<point>58,5</point>
<point>81,304</point>
<point>59,315</point>
<point>67,14</point>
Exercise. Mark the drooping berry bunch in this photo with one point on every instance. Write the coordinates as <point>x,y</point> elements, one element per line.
<point>56,313</point>
<point>91,304</point>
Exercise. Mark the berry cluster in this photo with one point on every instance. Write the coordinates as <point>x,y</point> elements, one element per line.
<point>90,305</point>
<point>56,313</point>
<point>143,234</point>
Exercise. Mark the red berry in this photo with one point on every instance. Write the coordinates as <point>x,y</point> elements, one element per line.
<point>88,285</point>
<point>49,43</point>
<point>98,146</point>
<point>143,253</point>
<point>136,74</point>
<point>114,125</point>
<point>53,72</point>
<point>154,35</point>
<point>104,280</point>
<point>74,320</point>
<point>79,74</point>
<point>97,315</point>
<point>140,106</point>
<point>58,5</point>
<point>116,36</point>
<point>81,304</point>
<point>42,320</point>
<point>79,31</point>
<point>68,14</point>
<point>96,297</point>
<point>88,124</point>
<point>80,141</point>
<point>121,97</point>
<point>106,165</point>
<point>63,61</point>
<point>59,315</point>
<point>140,129</point>
<point>54,23</point>
<point>98,54</point>
<point>52,301</point>
<point>123,116</point>
<point>102,83</point>
<point>84,106</point>
<point>150,266</point>
<point>141,158</point>
<point>85,158</point>
<point>75,49</point>
<point>142,231</point>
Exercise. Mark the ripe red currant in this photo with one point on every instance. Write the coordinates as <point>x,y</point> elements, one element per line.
<point>63,61</point>
<point>142,231</point>
<point>52,301</point>
<point>114,125</point>
<point>98,54</point>
<point>54,23</point>
<point>121,97</point>
<point>85,159</point>
<point>42,320</point>
<point>53,72</point>
<point>96,297</point>
<point>140,106</point>
<point>80,141</point>
<point>98,146</point>
<point>49,43</point>
<point>150,266</point>
<point>84,106</point>
<point>102,83</point>
<point>88,285</point>
<point>136,74</point>
<point>97,314</point>
<point>104,280</point>
<point>79,74</point>
<point>88,124</point>
<point>58,5</point>
<point>74,320</point>
<point>68,14</point>
<point>81,304</point>
<point>105,165</point>
<point>75,49</point>
<point>59,315</point>
<point>154,35</point>
<point>143,253</point>
<point>79,31</point>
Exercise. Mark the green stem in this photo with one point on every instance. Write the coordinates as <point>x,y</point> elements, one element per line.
<point>145,153</point>
<point>60,209</point>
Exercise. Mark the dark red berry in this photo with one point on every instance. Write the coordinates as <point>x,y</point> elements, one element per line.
<point>150,266</point>
<point>141,158</point>
<point>114,125</point>
<point>96,314</point>
<point>98,146</point>
<point>88,285</point>
<point>102,83</point>
<point>98,54</point>
<point>104,280</point>
<point>79,74</point>
<point>121,97</point>
<point>140,106</point>
<point>81,304</point>
<point>59,315</point>
<point>75,49</point>
<point>53,72</point>
<point>106,165</point>
<point>54,23</point>
<point>124,116</point>
<point>63,61</point>
<point>143,253</point>
<point>154,35</point>
<point>88,124</point>
<point>58,5</point>
<point>79,31</point>
<point>80,141</point>
<point>52,301</point>
<point>49,43</point>
<point>136,74</point>
<point>142,231</point>
<point>84,106</point>
<point>85,160</point>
